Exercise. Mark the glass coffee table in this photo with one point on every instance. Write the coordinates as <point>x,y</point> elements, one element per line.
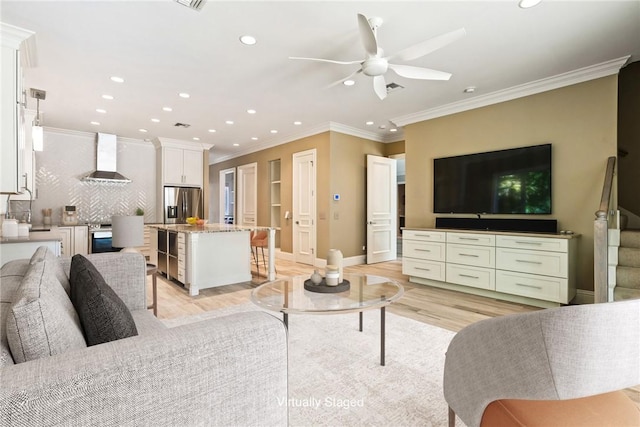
<point>288,296</point>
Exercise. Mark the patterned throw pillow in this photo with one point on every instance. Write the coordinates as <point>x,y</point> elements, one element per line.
<point>103,315</point>
<point>42,321</point>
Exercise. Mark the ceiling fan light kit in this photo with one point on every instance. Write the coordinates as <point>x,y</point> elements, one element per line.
<point>376,65</point>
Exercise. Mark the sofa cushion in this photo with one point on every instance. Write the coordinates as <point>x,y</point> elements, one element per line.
<point>11,275</point>
<point>103,315</point>
<point>41,321</point>
<point>43,253</point>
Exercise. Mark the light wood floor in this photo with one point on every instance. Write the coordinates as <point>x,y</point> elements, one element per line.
<point>439,307</point>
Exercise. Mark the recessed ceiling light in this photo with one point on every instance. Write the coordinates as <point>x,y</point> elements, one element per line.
<point>117,79</point>
<point>382,127</point>
<point>349,82</point>
<point>254,138</point>
<point>525,4</point>
<point>143,130</point>
<point>101,111</point>
<point>236,145</point>
<point>155,120</point>
<point>229,122</point>
<point>470,89</point>
<point>195,138</point>
<point>109,97</point>
<point>297,123</point>
<point>273,131</point>
<point>212,130</point>
<point>248,40</point>
<point>95,123</point>
<point>393,130</point>
<point>251,111</point>
<point>184,95</point>
<point>369,123</point>
<point>167,109</point>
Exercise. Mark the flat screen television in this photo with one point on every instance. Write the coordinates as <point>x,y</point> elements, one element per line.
<point>514,181</point>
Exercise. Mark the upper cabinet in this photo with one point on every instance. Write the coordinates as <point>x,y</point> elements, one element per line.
<point>182,166</point>
<point>12,102</point>
<point>180,163</point>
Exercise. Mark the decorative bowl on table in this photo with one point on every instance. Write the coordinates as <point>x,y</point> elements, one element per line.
<point>201,222</point>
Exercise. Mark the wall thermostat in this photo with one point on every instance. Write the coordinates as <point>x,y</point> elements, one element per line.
<point>336,197</point>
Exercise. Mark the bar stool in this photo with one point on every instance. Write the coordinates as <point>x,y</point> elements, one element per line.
<point>259,240</point>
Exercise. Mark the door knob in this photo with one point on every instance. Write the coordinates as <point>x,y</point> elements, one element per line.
<point>297,222</point>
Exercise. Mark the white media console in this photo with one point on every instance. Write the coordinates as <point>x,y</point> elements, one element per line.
<point>533,269</point>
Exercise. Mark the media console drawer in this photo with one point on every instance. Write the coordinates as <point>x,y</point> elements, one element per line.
<point>471,239</point>
<point>431,236</point>
<point>530,285</point>
<point>480,256</point>
<point>477,277</point>
<point>425,269</point>
<point>533,243</point>
<point>534,262</point>
<point>423,250</point>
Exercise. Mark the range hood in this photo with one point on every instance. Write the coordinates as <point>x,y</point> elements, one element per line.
<point>106,154</point>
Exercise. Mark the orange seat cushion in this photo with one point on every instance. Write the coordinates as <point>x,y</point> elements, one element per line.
<point>609,409</point>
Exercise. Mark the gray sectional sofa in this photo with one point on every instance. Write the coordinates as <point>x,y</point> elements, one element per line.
<point>225,371</point>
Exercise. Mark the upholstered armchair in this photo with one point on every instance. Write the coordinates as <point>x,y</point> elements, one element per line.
<point>561,366</point>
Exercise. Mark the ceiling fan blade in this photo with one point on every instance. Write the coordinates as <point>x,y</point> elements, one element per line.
<point>419,73</point>
<point>380,87</point>
<point>428,46</point>
<point>337,82</point>
<point>327,60</point>
<point>367,35</point>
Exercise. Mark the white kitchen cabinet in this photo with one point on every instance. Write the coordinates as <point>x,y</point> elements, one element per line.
<point>75,240</point>
<point>12,109</point>
<point>182,167</point>
<point>28,161</point>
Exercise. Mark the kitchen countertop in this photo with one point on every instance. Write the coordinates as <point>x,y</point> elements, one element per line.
<point>207,228</point>
<point>37,236</point>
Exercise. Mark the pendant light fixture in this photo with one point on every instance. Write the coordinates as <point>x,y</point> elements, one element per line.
<point>37,131</point>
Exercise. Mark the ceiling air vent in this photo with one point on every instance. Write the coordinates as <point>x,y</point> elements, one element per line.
<point>182,125</point>
<point>394,87</point>
<point>192,4</point>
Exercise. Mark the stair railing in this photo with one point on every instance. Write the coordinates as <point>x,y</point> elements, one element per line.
<point>604,219</point>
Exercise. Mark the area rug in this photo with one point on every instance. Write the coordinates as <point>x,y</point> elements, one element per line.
<point>335,377</point>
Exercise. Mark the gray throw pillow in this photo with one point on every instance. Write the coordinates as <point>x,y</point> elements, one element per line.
<point>43,253</point>
<point>103,315</point>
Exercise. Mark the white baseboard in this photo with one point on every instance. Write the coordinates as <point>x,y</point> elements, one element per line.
<point>322,263</point>
<point>583,297</point>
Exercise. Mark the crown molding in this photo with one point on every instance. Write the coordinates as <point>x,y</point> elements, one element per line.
<point>12,36</point>
<point>580,75</point>
<point>159,142</point>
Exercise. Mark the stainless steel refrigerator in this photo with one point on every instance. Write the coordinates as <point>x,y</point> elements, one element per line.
<point>181,203</point>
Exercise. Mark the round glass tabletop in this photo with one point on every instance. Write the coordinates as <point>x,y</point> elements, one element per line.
<point>288,295</point>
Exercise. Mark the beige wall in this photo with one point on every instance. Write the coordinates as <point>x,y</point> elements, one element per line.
<point>393,148</point>
<point>629,137</point>
<point>349,179</point>
<point>341,161</point>
<point>580,122</point>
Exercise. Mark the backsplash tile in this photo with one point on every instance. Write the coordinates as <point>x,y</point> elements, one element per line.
<point>70,156</point>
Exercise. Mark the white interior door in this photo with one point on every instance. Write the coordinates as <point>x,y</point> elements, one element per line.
<point>304,207</point>
<point>227,196</point>
<point>247,199</point>
<point>382,202</point>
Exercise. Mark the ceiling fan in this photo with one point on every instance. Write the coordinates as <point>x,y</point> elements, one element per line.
<point>376,64</point>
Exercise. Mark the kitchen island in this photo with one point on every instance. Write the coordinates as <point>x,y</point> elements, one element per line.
<point>207,256</point>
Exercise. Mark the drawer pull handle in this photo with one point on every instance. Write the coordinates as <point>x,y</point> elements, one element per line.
<point>424,269</point>
<point>475,239</point>
<point>469,276</point>
<point>528,286</point>
<point>528,243</point>
<point>423,250</point>
<point>470,255</point>
<point>529,262</point>
<point>423,235</point>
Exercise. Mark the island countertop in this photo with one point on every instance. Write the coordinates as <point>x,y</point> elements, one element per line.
<point>38,236</point>
<point>207,228</point>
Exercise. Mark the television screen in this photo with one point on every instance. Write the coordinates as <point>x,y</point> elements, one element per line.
<point>514,181</point>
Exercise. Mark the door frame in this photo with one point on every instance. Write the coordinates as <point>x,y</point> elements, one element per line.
<point>222,177</point>
<point>382,222</point>
<point>240,196</point>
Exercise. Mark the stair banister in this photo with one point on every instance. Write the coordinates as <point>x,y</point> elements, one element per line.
<point>601,237</point>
